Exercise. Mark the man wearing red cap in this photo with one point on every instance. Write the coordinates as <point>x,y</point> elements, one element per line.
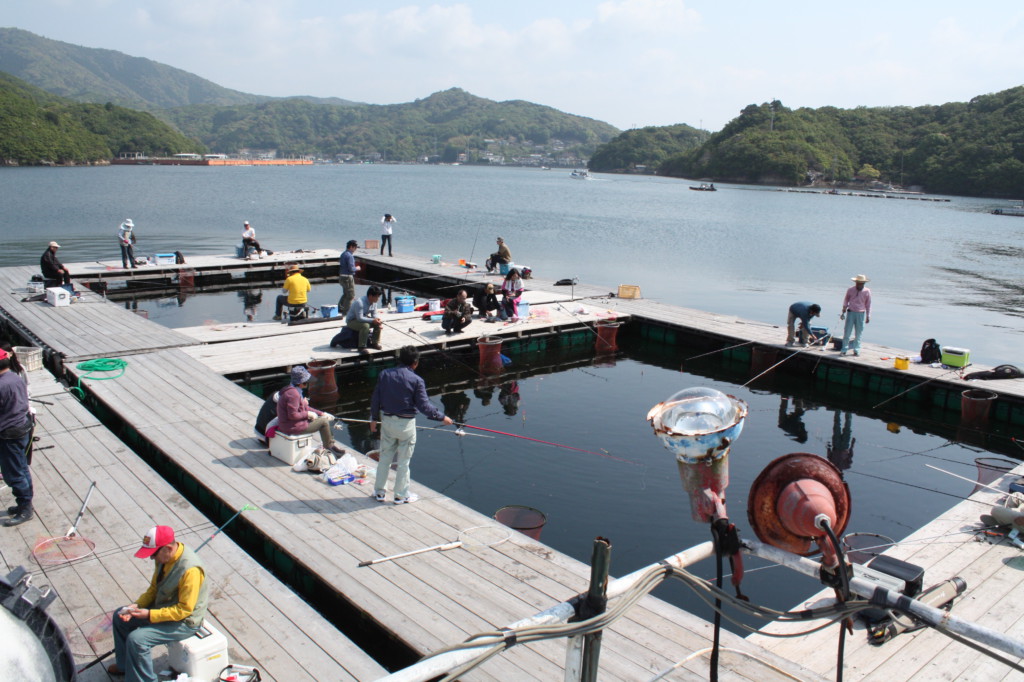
<point>172,609</point>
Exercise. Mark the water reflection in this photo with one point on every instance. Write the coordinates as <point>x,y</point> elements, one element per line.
<point>456,405</point>
<point>484,390</point>
<point>840,448</point>
<point>251,298</point>
<point>792,423</point>
<point>508,396</point>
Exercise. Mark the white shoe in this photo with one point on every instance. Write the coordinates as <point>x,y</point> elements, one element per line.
<point>408,499</point>
<point>380,495</point>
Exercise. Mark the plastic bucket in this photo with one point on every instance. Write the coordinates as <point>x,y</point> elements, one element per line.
<point>607,335</point>
<point>436,258</point>
<point>527,520</point>
<point>503,268</point>
<point>975,405</point>
<point>405,304</point>
<point>490,354</point>
<point>433,304</point>
<point>523,308</point>
<point>902,363</point>
<point>462,262</point>
<point>322,381</point>
<point>328,311</point>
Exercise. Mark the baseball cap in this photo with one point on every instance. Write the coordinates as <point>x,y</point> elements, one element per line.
<point>155,538</point>
<point>4,354</point>
<point>55,244</point>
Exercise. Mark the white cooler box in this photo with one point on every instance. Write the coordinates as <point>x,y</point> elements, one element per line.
<point>290,449</point>
<point>58,296</point>
<point>201,656</point>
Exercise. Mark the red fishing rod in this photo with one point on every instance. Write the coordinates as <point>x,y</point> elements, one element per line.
<point>545,442</point>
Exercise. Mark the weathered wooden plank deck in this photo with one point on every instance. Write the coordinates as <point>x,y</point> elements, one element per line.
<point>266,623</point>
<point>203,423</point>
<point>944,548</point>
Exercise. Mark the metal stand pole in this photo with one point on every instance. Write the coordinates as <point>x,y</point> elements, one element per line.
<point>595,604</point>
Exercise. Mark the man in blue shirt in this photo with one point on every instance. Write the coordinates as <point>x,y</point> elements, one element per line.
<point>400,392</point>
<point>362,317</point>
<point>347,269</point>
<point>803,311</point>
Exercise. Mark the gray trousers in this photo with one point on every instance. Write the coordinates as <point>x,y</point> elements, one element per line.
<point>134,640</point>
<point>348,293</point>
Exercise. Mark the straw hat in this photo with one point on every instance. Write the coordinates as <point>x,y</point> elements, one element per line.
<point>128,223</point>
<point>860,278</point>
<point>294,267</point>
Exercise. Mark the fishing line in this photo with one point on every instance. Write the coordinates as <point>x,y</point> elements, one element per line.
<point>424,428</point>
<point>919,487</point>
<point>720,350</point>
<point>545,442</point>
<point>940,376</point>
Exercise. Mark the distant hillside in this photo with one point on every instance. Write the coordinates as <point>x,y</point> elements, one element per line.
<point>970,148</point>
<point>443,125</point>
<point>646,148</point>
<point>38,128</point>
<point>92,75</point>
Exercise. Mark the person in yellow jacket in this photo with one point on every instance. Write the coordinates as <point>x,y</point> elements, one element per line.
<point>172,609</point>
<point>297,288</point>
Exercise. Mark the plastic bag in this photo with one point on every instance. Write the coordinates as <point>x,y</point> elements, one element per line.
<point>342,471</point>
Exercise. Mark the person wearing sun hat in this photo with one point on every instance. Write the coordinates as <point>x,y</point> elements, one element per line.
<point>172,609</point>
<point>295,416</point>
<point>296,287</point>
<point>857,312</point>
<point>125,238</point>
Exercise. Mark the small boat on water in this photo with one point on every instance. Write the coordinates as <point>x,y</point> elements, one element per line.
<point>580,174</point>
<point>1016,210</point>
<point>704,187</point>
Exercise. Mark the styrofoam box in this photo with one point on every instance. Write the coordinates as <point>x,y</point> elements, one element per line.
<point>202,656</point>
<point>164,258</point>
<point>58,296</point>
<point>955,357</point>
<point>290,449</point>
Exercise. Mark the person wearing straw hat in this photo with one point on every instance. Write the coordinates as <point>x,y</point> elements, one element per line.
<point>54,272</point>
<point>400,393</point>
<point>15,431</point>
<point>857,312</point>
<point>295,417</point>
<point>172,609</point>
<point>296,287</point>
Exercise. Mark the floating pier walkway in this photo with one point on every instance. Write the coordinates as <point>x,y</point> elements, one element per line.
<point>176,409</point>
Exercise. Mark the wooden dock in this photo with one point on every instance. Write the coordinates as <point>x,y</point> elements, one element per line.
<point>175,406</point>
<point>267,624</point>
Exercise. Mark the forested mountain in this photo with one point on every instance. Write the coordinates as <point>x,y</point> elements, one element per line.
<point>646,148</point>
<point>445,124</point>
<point>37,127</point>
<point>972,148</point>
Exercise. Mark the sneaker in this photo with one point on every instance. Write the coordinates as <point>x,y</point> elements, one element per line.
<point>277,318</point>
<point>411,497</point>
<point>12,510</point>
<point>114,670</point>
<point>842,352</point>
<point>789,344</point>
<point>857,353</point>
<point>21,516</point>
<point>337,449</point>
<point>380,495</point>
<point>364,351</point>
<point>376,346</point>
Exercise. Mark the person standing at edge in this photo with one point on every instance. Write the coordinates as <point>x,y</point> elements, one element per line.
<point>804,312</point>
<point>856,312</point>
<point>502,256</point>
<point>15,431</point>
<point>295,417</point>
<point>297,288</point>
<point>399,393</point>
<point>347,270</point>
<point>54,272</point>
<point>387,225</point>
<point>125,238</point>
<point>362,317</point>
<point>172,609</point>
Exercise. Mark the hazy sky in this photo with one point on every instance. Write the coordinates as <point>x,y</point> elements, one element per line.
<point>628,62</point>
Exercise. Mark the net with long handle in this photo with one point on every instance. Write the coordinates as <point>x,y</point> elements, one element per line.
<point>476,537</point>
<point>93,637</point>
<point>70,546</point>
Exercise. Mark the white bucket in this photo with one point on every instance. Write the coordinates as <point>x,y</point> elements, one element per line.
<point>433,304</point>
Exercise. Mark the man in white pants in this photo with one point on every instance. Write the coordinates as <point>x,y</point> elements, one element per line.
<point>400,392</point>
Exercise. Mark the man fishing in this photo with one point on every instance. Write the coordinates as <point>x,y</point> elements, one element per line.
<point>362,318</point>
<point>347,270</point>
<point>502,256</point>
<point>297,288</point>
<point>399,394</point>
<point>172,609</point>
<point>803,311</point>
<point>856,312</point>
<point>54,272</point>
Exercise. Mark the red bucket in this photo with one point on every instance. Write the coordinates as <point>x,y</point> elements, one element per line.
<point>607,334</point>
<point>490,354</point>
<point>322,382</point>
<point>527,520</point>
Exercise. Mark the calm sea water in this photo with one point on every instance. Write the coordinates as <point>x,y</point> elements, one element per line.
<point>944,270</point>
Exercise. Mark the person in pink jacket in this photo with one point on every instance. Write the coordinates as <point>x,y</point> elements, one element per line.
<point>295,416</point>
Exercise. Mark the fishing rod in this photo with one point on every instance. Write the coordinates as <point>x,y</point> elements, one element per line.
<point>702,355</point>
<point>546,442</point>
<point>423,428</point>
<point>788,357</point>
<point>927,381</point>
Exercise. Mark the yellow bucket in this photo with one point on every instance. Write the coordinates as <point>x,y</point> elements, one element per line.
<point>902,363</point>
